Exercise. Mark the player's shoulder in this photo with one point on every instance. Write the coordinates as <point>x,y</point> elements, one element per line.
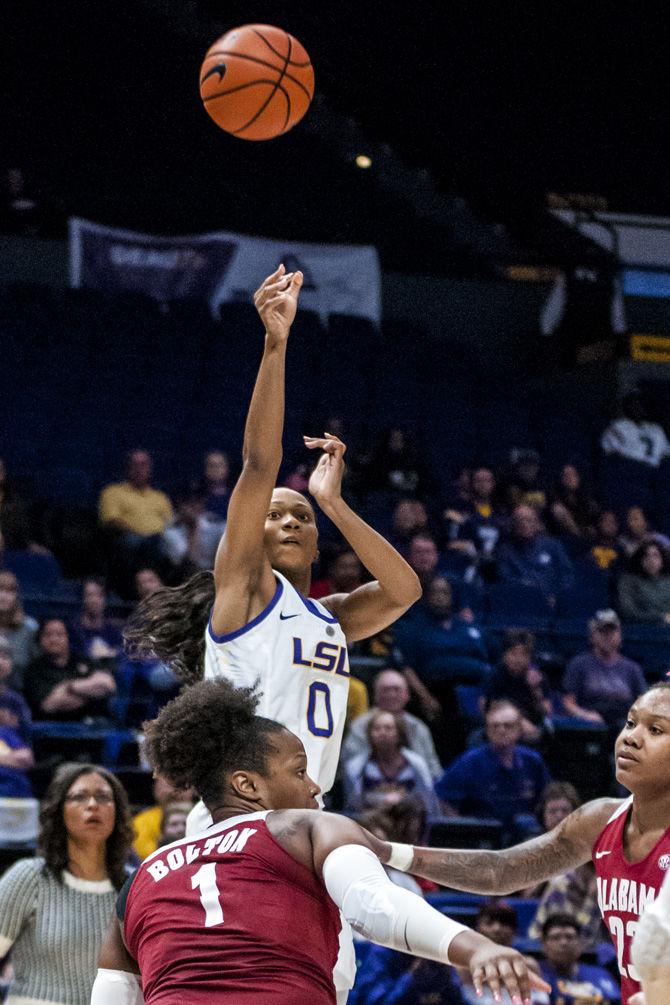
<point>591,819</point>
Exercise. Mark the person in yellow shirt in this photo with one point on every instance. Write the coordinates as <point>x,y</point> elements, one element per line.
<point>135,516</point>
<point>148,824</point>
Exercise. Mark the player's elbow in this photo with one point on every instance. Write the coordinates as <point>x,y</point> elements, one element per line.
<point>413,589</point>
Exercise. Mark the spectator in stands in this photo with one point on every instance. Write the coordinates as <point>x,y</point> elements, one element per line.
<point>573,511</point>
<point>16,755</point>
<point>194,535</point>
<point>147,582</point>
<point>633,436</point>
<point>558,801</point>
<point>476,529</point>
<point>644,590</point>
<point>574,893</point>
<point>521,683</point>
<point>173,826</point>
<point>389,763</point>
<point>92,633</point>
<point>409,519</point>
<point>62,687</point>
<point>19,629</point>
<point>424,557</point>
<point>498,921</point>
<point>606,550</point>
<point>55,909</point>
<point>572,982</point>
<point>148,823</point>
<point>440,644</point>
<point>14,711</point>
<point>396,467</point>
<point>639,531</point>
<point>137,514</point>
<point>391,694</point>
<point>600,686</point>
<point>501,780</point>
<point>345,573</point>
<point>530,558</point>
<point>523,485</point>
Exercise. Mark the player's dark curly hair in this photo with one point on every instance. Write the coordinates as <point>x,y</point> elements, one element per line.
<point>210,730</point>
<point>170,626</point>
<point>52,840</point>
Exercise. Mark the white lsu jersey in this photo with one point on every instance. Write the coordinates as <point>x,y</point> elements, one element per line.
<point>297,652</point>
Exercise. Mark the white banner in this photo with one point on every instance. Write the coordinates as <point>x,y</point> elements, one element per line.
<point>218,267</point>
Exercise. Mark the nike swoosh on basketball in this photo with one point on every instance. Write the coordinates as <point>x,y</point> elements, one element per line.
<point>600,854</point>
<point>285,617</point>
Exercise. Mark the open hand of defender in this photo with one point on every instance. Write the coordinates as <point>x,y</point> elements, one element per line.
<point>325,483</point>
<point>276,301</point>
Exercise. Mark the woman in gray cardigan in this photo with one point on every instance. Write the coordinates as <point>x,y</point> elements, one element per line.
<point>55,909</point>
<point>644,591</point>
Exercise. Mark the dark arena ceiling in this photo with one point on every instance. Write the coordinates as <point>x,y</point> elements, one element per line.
<point>470,116</point>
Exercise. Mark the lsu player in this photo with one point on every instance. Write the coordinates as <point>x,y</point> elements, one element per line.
<point>252,622</point>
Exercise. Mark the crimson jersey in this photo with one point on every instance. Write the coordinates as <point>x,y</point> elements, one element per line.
<point>228,916</point>
<point>626,888</point>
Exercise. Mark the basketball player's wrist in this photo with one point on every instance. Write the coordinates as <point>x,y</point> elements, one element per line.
<point>401,857</point>
<point>276,341</point>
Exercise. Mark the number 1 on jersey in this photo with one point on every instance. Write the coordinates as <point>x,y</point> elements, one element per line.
<point>205,881</point>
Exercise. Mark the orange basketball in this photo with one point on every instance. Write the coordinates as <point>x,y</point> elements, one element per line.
<point>256,81</point>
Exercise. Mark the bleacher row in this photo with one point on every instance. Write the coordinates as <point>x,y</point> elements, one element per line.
<point>177,382</point>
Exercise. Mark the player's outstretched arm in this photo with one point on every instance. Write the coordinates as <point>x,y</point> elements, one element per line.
<point>503,872</point>
<point>117,981</point>
<point>349,861</point>
<point>242,573</point>
<point>374,605</point>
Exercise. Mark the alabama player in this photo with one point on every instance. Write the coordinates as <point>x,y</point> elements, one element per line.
<point>246,912</point>
<point>628,840</point>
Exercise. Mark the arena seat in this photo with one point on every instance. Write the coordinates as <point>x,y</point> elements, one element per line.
<point>512,603</point>
<point>464,832</point>
<point>35,572</point>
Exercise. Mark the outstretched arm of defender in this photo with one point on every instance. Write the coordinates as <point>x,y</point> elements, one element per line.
<point>241,568</point>
<point>373,606</point>
<point>503,872</point>
<point>348,859</point>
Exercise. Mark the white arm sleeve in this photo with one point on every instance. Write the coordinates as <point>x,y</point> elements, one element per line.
<point>383,912</point>
<point>116,987</point>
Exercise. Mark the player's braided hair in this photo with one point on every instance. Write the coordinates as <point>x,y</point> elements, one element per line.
<point>170,626</point>
<point>210,730</point>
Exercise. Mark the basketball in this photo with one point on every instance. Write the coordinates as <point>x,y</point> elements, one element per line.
<point>256,82</point>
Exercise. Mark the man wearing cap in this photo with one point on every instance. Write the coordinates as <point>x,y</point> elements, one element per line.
<point>601,685</point>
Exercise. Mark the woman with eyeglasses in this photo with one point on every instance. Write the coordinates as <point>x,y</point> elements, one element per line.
<point>55,908</point>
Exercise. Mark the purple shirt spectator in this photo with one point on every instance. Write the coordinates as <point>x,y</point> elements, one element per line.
<point>607,688</point>
<point>601,685</point>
